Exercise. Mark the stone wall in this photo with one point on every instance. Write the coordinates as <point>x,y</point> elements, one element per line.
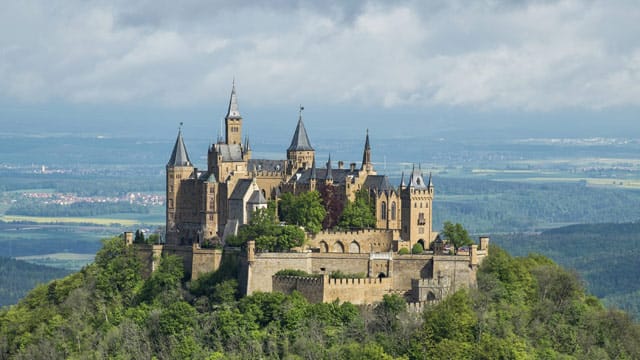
<point>354,242</point>
<point>324,289</point>
<point>204,261</point>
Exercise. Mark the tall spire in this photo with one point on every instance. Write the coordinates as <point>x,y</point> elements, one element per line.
<point>430,181</point>
<point>366,155</point>
<point>314,176</point>
<point>402,184</point>
<point>300,140</point>
<point>329,171</point>
<point>234,111</point>
<point>179,156</point>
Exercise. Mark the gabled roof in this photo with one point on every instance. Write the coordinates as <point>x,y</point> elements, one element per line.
<point>378,182</point>
<point>241,189</point>
<point>179,156</point>
<point>339,176</point>
<point>230,152</point>
<point>267,165</point>
<point>300,140</point>
<point>257,198</point>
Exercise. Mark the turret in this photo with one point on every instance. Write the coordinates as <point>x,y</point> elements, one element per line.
<point>329,178</point>
<point>417,200</point>
<point>179,168</point>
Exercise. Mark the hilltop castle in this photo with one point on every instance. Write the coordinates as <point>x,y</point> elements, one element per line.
<point>205,206</point>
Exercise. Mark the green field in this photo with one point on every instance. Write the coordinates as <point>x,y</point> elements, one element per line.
<point>104,221</point>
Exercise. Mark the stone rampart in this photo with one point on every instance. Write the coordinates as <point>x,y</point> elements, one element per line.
<point>324,289</point>
<point>353,242</point>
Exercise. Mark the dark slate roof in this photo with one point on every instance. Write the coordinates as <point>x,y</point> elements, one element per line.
<point>416,180</point>
<point>230,152</point>
<point>339,175</point>
<point>300,140</point>
<point>179,156</point>
<point>257,198</point>
<point>267,165</point>
<point>241,189</point>
<point>234,111</point>
<point>378,182</point>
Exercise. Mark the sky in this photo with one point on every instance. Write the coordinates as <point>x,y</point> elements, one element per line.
<point>401,68</point>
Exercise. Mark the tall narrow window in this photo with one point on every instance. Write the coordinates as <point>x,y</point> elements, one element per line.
<point>421,219</point>
<point>393,210</point>
<point>383,211</point>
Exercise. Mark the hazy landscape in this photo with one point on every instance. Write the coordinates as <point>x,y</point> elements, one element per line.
<point>509,189</point>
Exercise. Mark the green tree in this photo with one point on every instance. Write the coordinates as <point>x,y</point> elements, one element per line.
<point>305,209</point>
<point>359,213</point>
<point>417,249</point>
<point>457,234</point>
<point>267,232</point>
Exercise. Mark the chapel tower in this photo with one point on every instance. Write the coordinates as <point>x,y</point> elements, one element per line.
<point>417,200</point>
<point>233,120</point>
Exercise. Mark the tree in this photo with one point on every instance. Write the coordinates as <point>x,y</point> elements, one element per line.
<point>417,249</point>
<point>333,204</point>
<point>359,213</point>
<point>457,235</point>
<point>305,209</point>
<point>267,232</point>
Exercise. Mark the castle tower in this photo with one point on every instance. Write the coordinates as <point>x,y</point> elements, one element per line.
<point>233,120</point>
<point>367,166</point>
<point>313,179</point>
<point>416,201</point>
<point>300,154</point>
<point>179,169</point>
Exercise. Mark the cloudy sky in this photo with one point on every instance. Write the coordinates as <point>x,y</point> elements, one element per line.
<point>88,65</point>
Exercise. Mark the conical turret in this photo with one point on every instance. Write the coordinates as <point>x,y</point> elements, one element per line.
<point>179,156</point>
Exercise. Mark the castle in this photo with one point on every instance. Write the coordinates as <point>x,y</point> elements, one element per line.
<point>206,206</point>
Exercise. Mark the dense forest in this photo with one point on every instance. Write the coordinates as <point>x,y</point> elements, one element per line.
<point>524,308</point>
<point>606,256</point>
<point>18,277</point>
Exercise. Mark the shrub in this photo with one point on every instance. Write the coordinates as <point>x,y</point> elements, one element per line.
<point>295,272</point>
<point>403,251</point>
<point>340,275</point>
<point>417,249</point>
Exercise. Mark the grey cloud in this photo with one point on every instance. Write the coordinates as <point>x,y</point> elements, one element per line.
<point>503,54</point>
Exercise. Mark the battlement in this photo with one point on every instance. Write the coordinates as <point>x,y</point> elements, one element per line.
<point>324,289</point>
<point>353,232</point>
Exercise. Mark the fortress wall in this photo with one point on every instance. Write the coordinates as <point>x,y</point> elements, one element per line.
<point>407,267</point>
<point>356,291</point>
<point>184,252</point>
<point>205,261</point>
<point>309,287</point>
<point>259,271</point>
<point>367,240</point>
<point>149,256</point>
<point>457,269</point>
<point>347,263</point>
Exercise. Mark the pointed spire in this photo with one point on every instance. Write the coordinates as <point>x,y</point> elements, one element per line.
<point>314,176</point>
<point>247,144</point>
<point>366,155</point>
<point>300,140</point>
<point>329,171</point>
<point>402,184</point>
<point>430,181</point>
<point>234,111</point>
<point>179,156</point>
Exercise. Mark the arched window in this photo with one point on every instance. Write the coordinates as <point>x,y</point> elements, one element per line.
<point>354,248</point>
<point>383,211</point>
<point>324,247</point>
<point>337,247</point>
<point>393,210</point>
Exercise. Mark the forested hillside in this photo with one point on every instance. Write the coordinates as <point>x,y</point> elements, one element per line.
<point>19,277</point>
<point>526,308</point>
<point>606,256</point>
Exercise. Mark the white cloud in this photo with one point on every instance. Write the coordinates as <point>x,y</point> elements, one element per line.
<point>525,55</point>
